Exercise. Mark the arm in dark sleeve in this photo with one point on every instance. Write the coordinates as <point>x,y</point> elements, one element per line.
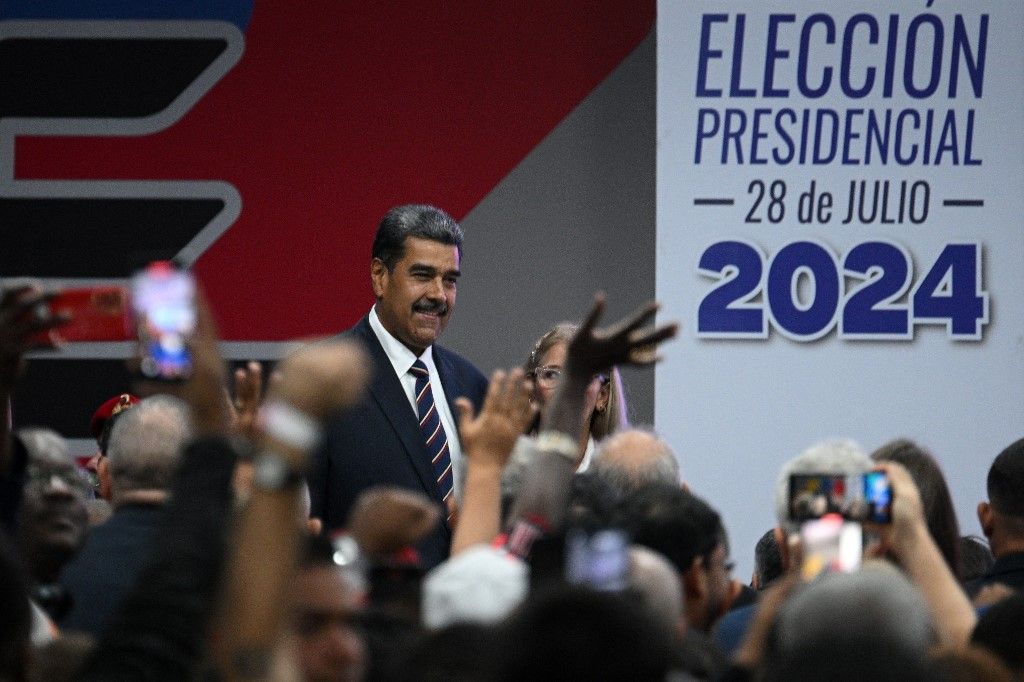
<point>12,483</point>
<point>160,631</point>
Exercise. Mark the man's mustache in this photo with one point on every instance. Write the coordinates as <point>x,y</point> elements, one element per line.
<point>439,308</point>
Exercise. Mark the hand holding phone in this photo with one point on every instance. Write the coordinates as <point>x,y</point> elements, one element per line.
<point>97,313</point>
<point>855,497</point>
<point>830,544</point>
<point>163,302</point>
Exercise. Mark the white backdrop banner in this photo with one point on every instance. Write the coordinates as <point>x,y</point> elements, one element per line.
<point>840,202</point>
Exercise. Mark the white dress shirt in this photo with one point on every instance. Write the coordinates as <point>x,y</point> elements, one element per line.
<point>402,360</point>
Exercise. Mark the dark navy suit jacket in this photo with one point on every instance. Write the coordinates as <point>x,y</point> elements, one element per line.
<point>105,570</point>
<point>378,442</point>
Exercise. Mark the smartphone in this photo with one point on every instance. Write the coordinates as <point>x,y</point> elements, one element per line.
<point>812,496</point>
<point>96,314</point>
<point>599,560</point>
<point>163,302</point>
<point>830,544</point>
<point>878,497</point>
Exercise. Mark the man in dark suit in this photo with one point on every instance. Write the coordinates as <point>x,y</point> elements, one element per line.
<point>142,457</point>
<point>403,432</point>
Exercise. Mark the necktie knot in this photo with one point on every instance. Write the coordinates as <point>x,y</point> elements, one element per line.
<point>419,369</point>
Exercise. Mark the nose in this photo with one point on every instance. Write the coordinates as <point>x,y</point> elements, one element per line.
<point>436,290</point>
<point>58,487</point>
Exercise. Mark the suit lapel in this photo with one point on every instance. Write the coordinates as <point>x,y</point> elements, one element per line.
<point>387,391</point>
<point>449,381</point>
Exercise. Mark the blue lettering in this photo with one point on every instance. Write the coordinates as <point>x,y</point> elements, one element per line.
<point>802,59</point>
<point>735,89</point>
<point>706,54</point>
<point>702,131</point>
<point>936,63</point>
<point>849,135</point>
<point>847,59</point>
<point>773,53</point>
<point>961,52</point>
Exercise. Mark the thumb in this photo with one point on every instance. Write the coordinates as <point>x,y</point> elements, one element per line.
<point>466,412</point>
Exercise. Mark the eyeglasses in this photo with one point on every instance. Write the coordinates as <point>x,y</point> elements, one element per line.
<point>548,376</point>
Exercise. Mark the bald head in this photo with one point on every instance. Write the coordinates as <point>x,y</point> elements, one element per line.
<point>655,580</point>
<point>633,458</point>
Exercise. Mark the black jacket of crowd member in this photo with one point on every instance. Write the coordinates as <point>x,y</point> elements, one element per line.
<point>160,631</point>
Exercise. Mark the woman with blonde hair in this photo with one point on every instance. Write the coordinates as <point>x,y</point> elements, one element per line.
<point>605,410</point>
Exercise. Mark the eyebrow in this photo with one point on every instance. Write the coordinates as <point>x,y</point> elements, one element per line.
<point>431,270</point>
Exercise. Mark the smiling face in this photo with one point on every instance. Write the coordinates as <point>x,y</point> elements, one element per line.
<point>53,522</point>
<point>416,298</point>
<point>545,383</point>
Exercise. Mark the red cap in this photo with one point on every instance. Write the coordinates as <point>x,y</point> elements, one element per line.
<point>107,410</point>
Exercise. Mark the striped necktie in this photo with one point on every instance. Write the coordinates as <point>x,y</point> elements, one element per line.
<point>433,433</point>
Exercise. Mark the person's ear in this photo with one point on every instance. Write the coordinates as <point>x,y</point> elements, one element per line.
<point>781,541</point>
<point>378,276</point>
<point>985,515</point>
<point>695,583</point>
<point>103,473</point>
<point>602,396</point>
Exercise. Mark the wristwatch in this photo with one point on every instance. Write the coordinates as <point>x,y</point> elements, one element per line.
<point>273,472</point>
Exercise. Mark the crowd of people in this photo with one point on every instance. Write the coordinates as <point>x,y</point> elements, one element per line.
<point>378,510</point>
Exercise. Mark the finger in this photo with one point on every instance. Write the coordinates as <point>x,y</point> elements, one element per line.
<point>644,345</point>
<point>514,388</point>
<point>525,408</point>
<point>466,412</point>
<point>594,315</point>
<point>254,386</point>
<point>510,389</point>
<point>16,294</point>
<point>231,407</point>
<point>639,318</point>
<point>654,335</point>
<point>30,306</point>
<point>275,379</point>
<point>495,389</point>
<point>239,378</point>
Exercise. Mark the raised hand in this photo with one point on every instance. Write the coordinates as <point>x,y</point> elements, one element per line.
<point>23,314</point>
<point>627,342</point>
<point>323,377</point>
<point>488,438</point>
<point>248,396</point>
<point>385,520</point>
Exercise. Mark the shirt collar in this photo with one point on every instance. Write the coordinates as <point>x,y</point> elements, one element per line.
<point>400,356</point>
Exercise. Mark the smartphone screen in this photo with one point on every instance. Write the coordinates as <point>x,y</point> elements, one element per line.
<point>599,560</point>
<point>812,496</point>
<point>95,314</point>
<point>163,300</point>
<point>878,495</point>
<point>830,544</point>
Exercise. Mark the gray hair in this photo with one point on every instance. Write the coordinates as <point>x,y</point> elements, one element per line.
<point>876,601</point>
<point>146,442</point>
<point>634,458</point>
<point>40,441</point>
<point>654,579</point>
<point>413,220</point>
<point>838,456</point>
